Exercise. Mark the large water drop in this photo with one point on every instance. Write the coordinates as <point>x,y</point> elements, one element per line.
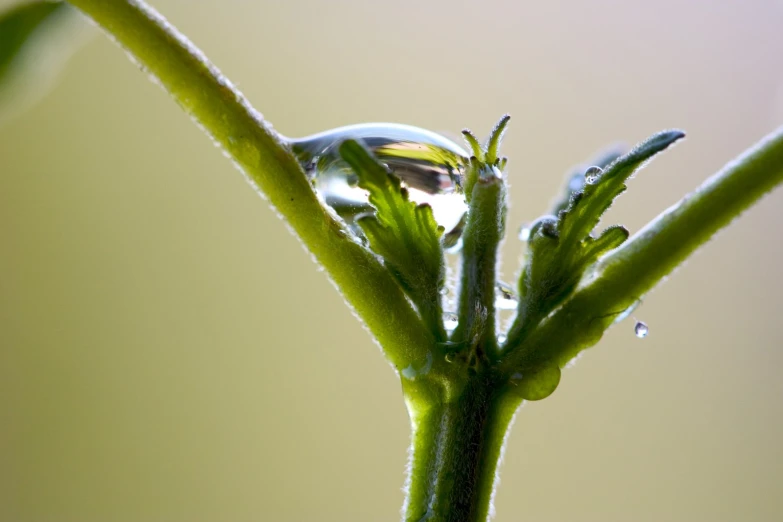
<point>429,165</point>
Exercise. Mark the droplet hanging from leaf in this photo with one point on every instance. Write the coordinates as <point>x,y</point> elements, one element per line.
<point>641,330</point>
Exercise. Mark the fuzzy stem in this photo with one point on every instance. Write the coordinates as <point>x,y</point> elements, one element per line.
<point>674,235</point>
<point>482,235</point>
<point>457,447</point>
<point>226,116</point>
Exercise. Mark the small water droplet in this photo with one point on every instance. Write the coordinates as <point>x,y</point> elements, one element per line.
<point>502,338</point>
<point>505,297</point>
<point>429,166</point>
<point>641,330</point>
<point>592,174</point>
<point>450,321</point>
<point>449,357</point>
<point>524,232</point>
<point>444,290</point>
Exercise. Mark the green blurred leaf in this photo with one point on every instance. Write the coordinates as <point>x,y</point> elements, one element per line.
<point>403,233</point>
<point>36,38</point>
<point>562,247</point>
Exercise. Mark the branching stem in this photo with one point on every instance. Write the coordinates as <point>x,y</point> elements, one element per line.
<point>226,116</point>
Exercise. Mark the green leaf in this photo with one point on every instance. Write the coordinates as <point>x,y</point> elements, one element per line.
<point>495,137</point>
<point>585,210</point>
<point>403,233</point>
<point>562,247</point>
<point>485,160</point>
<point>36,38</point>
<point>575,181</point>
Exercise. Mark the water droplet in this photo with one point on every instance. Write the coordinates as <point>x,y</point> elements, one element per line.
<point>536,383</point>
<point>502,338</point>
<point>450,357</point>
<point>444,290</point>
<point>592,174</point>
<point>505,297</point>
<point>524,232</point>
<point>450,321</point>
<point>429,165</point>
<point>641,330</point>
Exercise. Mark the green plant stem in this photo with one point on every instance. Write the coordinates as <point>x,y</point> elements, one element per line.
<point>482,236</point>
<point>221,110</point>
<point>622,277</point>
<point>456,450</point>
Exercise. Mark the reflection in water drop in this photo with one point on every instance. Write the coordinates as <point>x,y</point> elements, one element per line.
<point>592,174</point>
<point>450,321</point>
<point>641,330</point>
<point>429,165</point>
<point>505,297</point>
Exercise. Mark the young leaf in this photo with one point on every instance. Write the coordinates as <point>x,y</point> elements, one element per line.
<point>560,248</point>
<point>584,212</point>
<point>403,233</point>
<point>575,181</point>
<point>35,39</point>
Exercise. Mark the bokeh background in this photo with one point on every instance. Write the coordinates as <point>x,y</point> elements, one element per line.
<point>168,351</point>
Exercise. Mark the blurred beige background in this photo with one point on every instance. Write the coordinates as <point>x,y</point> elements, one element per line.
<point>168,352</point>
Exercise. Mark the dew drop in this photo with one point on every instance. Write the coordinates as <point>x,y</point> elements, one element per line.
<point>429,165</point>
<point>641,330</point>
<point>444,290</point>
<point>449,357</point>
<point>502,338</point>
<point>505,297</point>
<point>524,232</point>
<point>592,174</point>
<point>450,321</point>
